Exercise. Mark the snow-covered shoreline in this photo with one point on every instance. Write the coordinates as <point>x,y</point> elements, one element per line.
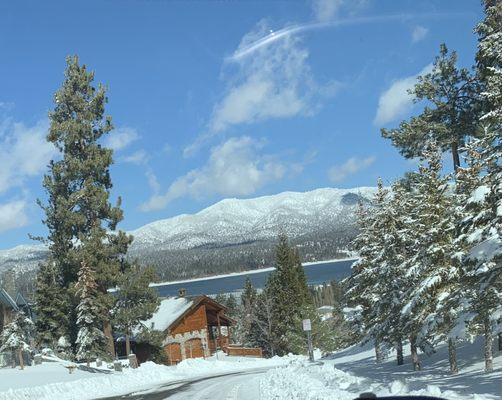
<point>248,272</point>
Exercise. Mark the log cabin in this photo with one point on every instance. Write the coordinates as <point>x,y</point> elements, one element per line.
<point>193,327</point>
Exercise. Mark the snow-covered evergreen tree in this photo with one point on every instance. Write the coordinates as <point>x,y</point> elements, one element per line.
<point>433,272</point>
<point>363,284</point>
<point>90,339</point>
<point>288,291</point>
<point>15,337</point>
<point>136,301</point>
<point>481,225</point>
<point>243,331</point>
<point>51,306</point>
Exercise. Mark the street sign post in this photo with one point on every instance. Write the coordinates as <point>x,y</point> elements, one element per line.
<point>307,327</point>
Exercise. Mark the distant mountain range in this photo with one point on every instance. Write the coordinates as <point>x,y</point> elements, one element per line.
<point>234,234</point>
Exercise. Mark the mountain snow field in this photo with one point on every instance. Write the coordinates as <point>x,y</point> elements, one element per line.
<point>229,221</point>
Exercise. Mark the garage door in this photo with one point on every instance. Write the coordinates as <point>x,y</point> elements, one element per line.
<point>173,351</point>
<point>193,348</point>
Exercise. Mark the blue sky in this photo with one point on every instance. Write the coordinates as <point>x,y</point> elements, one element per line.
<point>216,99</point>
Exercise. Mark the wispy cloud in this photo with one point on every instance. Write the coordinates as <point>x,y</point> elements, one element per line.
<point>120,138</point>
<point>13,215</point>
<point>329,10</point>
<point>326,10</point>
<point>277,82</point>
<point>234,168</point>
<point>139,157</point>
<point>24,153</point>
<point>395,102</point>
<point>338,173</point>
<point>418,33</point>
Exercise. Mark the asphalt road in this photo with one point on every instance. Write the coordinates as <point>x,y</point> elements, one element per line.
<point>233,386</point>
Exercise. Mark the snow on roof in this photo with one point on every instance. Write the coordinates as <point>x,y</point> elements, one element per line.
<point>169,311</point>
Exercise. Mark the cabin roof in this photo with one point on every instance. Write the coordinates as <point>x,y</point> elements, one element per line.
<point>173,309</point>
<point>7,300</point>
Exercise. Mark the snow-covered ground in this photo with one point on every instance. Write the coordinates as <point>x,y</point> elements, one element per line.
<point>353,371</point>
<point>342,376</point>
<point>51,380</point>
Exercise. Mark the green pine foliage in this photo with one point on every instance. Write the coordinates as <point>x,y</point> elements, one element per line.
<point>245,316</point>
<point>288,290</point>
<point>51,304</point>
<point>78,214</point>
<point>135,300</point>
<point>449,116</point>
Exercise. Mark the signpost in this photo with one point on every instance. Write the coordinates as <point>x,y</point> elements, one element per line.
<point>307,327</point>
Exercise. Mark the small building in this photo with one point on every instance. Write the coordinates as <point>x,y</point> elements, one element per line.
<point>193,326</point>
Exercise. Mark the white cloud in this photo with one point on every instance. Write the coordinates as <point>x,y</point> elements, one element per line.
<point>419,33</point>
<point>326,10</point>
<point>13,215</point>
<point>276,82</point>
<point>139,157</point>
<point>234,169</point>
<point>338,173</point>
<point>329,10</point>
<point>24,152</point>
<point>395,102</point>
<point>120,138</point>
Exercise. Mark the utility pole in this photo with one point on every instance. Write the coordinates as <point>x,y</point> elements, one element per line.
<point>307,327</point>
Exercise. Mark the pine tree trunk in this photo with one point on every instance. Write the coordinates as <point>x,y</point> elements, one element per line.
<point>13,355</point>
<point>456,157</point>
<point>414,354</point>
<point>500,341</point>
<point>128,345</point>
<point>488,346</point>
<point>21,361</point>
<point>399,351</point>
<point>107,330</point>
<point>452,355</point>
<point>378,352</point>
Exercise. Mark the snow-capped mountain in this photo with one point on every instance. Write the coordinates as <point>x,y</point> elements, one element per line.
<point>233,221</point>
<point>230,223</point>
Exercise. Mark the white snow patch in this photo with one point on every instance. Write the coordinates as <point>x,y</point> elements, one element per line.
<point>169,311</point>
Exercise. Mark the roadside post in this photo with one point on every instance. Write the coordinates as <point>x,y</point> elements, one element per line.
<point>307,327</point>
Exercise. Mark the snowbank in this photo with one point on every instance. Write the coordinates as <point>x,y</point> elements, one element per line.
<point>352,371</point>
<point>301,381</point>
<point>52,380</point>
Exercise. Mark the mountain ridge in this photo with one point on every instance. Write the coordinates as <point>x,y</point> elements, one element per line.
<point>230,223</point>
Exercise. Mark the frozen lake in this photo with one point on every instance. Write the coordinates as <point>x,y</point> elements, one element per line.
<point>316,274</point>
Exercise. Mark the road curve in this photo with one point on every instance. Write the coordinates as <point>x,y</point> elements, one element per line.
<point>230,386</point>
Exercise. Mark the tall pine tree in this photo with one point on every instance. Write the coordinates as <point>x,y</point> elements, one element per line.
<point>78,212</point>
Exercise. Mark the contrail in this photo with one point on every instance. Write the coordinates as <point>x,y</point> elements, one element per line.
<point>293,29</point>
